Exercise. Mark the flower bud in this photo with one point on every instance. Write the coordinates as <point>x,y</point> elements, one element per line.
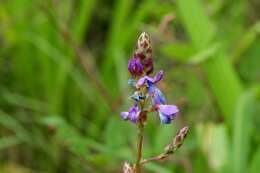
<point>180,136</point>
<point>148,65</point>
<point>178,140</point>
<point>144,45</point>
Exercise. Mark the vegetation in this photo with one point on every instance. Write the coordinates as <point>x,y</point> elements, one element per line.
<point>63,84</point>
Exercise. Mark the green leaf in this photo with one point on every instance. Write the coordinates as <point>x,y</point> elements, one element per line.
<point>242,129</point>
<point>82,19</point>
<point>198,25</point>
<point>245,42</point>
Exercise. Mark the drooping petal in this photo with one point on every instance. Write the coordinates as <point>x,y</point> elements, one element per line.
<point>167,113</point>
<point>158,76</point>
<point>158,97</point>
<point>165,119</point>
<point>151,89</point>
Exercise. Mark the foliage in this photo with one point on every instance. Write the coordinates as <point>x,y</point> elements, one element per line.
<point>63,83</point>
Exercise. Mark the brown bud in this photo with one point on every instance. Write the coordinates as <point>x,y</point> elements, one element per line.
<point>180,136</point>
<point>144,45</point>
<point>178,140</point>
<point>148,65</point>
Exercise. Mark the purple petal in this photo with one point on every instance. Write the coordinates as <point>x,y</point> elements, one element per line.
<point>135,67</point>
<point>124,115</point>
<point>158,97</point>
<point>134,113</point>
<point>142,80</point>
<point>170,110</point>
<point>158,76</point>
<point>165,119</point>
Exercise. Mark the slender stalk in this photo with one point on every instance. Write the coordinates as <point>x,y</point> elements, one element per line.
<point>138,165</point>
<point>156,158</point>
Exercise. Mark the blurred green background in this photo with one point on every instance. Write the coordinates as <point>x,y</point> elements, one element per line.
<point>63,83</point>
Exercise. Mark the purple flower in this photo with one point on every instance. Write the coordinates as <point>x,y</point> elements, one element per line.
<point>132,115</point>
<point>144,79</point>
<point>167,113</point>
<point>150,81</point>
<point>135,66</point>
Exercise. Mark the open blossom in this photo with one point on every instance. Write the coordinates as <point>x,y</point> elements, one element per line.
<point>149,81</point>
<point>147,95</point>
<point>167,113</point>
<point>132,114</point>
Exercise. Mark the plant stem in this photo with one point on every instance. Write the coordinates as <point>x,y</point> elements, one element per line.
<point>156,158</point>
<point>139,147</point>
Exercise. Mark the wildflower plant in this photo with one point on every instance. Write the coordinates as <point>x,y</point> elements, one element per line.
<point>148,98</point>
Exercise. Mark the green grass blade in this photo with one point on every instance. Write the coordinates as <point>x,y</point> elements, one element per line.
<point>82,18</point>
<point>198,25</point>
<point>221,76</point>
<point>242,131</point>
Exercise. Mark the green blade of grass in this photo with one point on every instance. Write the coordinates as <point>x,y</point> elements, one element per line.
<point>220,73</point>
<point>82,18</point>
<point>242,131</point>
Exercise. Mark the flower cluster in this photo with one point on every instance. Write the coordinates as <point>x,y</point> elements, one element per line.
<point>147,96</point>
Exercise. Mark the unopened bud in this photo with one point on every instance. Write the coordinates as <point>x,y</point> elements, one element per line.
<point>144,47</point>
<point>180,136</point>
<point>148,65</point>
<point>178,140</point>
